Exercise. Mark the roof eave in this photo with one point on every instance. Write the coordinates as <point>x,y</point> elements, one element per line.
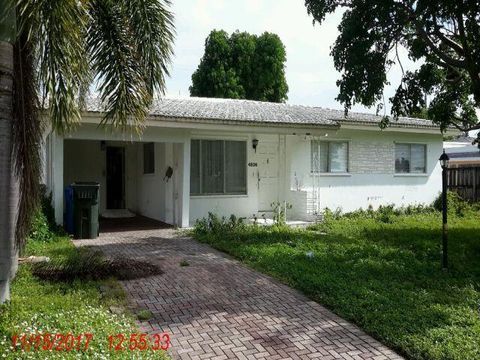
<point>368,125</point>
<point>196,120</point>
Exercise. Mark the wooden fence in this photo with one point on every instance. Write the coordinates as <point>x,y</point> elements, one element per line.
<point>465,181</point>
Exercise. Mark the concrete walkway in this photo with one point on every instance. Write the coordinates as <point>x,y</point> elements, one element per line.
<point>216,308</point>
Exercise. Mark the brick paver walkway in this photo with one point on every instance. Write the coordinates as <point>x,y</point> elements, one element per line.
<point>216,308</point>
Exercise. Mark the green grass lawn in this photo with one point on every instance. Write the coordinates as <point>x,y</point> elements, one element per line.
<point>77,307</point>
<point>381,273</point>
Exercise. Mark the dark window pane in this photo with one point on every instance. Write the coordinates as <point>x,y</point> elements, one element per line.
<point>418,163</point>
<point>212,167</point>
<point>236,167</point>
<point>402,158</point>
<point>338,156</point>
<point>329,156</point>
<point>319,157</point>
<point>149,158</point>
<point>218,167</point>
<point>195,168</point>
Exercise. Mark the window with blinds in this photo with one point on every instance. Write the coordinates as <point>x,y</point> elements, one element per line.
<point>218,167</point>
<point>329,156</point>
<point>410,158</point>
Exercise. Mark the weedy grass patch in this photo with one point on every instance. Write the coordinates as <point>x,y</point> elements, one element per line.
<point>71,304</point>
<point>380,270</point>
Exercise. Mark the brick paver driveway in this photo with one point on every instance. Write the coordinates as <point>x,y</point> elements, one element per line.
<point>216,308</point>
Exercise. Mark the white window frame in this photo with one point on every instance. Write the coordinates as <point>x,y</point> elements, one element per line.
<point>224,193</point>
<point>410,173</point>
<point>329,173</point>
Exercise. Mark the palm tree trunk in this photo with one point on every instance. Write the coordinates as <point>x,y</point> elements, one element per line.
<point>8,183</point>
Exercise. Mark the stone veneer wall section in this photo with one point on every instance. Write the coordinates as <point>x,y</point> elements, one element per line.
<point>371,157</point>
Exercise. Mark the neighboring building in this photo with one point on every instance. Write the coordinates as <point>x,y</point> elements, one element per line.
<point>238,157</point>
<point>462,151</point>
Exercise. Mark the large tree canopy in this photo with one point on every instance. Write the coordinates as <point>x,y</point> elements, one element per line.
<point>242,66</point>
<point>443,34</point>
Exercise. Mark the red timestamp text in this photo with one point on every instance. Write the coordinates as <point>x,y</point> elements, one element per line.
<point>142,342</point>
<point>49,342</point>
<point>81,342</point>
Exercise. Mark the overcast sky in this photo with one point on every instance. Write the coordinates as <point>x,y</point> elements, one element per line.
<point>310,73</point>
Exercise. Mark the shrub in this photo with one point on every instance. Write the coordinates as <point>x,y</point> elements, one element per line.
<point>43,226</point>
<point>455,204</point>
<point>385,213</point>
<point>215,224</point>
<point>40,230</point>
<point>332,215</point>
<point>47,208</point>
<point>280,212</point>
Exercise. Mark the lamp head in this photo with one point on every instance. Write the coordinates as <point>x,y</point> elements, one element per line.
<point>255,144</point>
<point>444,159</point>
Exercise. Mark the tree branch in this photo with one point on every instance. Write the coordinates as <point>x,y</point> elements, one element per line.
<point>465,129</point>
<point>461,29</point>
<point>448,41</point>
<point>441,54</point>
<point>424,35</point>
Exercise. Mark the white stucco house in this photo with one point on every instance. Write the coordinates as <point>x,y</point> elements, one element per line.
<point>238,156</point>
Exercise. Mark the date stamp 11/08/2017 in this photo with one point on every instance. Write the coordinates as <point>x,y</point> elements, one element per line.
<point>81,342</point>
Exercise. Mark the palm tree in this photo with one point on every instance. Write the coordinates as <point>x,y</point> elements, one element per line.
<point>51,52</point>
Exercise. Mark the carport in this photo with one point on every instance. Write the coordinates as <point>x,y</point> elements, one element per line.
<point>147,176</point>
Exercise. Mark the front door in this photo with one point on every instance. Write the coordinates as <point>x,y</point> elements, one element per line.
<point>267,158</point>
<point>115,177</point>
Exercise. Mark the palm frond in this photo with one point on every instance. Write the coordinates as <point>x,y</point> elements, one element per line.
<point>114,62</point>
<point>57,28</point>
<point>151,24</point>
<point>7,21</point>
<point>27,131</point>
<point>130,43</point>
<point>49,63</point>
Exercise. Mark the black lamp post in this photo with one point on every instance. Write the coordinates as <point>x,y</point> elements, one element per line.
<point>444,163</point>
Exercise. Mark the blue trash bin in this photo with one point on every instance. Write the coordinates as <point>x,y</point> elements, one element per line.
<point>68,220</point>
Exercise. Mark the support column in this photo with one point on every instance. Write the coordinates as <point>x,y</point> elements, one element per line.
<point>183,190</point>
<point>57,187</point>
<point>170,186</point>
<point>284,185</point>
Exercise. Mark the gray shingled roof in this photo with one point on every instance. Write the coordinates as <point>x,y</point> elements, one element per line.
<point>248,111</point>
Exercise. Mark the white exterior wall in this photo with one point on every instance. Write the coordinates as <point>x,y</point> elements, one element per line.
<point>161,198</point>
<point>371,179</point>
<point>151,187</point>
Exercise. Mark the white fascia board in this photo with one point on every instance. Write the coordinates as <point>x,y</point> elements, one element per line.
<point>225,125</point>
<point>248,127</point>
<point>403,129</point>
